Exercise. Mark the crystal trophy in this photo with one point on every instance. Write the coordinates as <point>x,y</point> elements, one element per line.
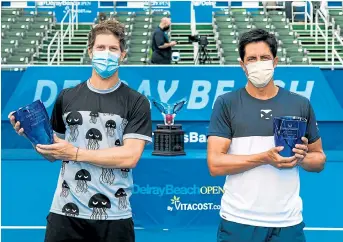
<point>34,119</point>
<point>288,131</point>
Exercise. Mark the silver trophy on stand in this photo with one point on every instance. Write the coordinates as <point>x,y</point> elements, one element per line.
<point>169,137</point>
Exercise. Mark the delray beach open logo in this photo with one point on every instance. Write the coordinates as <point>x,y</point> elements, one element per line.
<point>176,204</point>
<point>171,189</point>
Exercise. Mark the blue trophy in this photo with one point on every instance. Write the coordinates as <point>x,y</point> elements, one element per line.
<point>169,137</point>
<point>34,119</point>
<point>288,131</point>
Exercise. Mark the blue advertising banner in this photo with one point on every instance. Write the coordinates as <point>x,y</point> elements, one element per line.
<point>200,86</point>
<point>335,80</point>
<point>88,10</point>
<point>180,10</point>
<point>168,192</point>
<point>163,195</point>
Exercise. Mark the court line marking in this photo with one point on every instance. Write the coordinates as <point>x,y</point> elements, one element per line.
<point>43,227</point>
<point>323,229</point>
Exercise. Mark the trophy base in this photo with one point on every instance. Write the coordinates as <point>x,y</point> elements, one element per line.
<point>162,153</point>
<point>169,140</point>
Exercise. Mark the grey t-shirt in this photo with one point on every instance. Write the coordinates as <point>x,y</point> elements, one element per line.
<point>98,119</point>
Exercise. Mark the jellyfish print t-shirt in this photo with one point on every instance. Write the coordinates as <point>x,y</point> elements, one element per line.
<point>98,119</point>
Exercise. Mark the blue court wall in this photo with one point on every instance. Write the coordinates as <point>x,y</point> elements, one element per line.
<point>159,182</point>
<point>199,85</point>
<point>335,80</point>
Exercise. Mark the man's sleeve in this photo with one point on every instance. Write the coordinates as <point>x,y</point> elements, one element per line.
<point>159,38</point>
<point>139,123</point>
<point>220,124</point>
<point>312,132</point>
<point>56,119</point>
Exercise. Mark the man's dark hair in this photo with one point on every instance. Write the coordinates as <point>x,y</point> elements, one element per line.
<point>257,35</point>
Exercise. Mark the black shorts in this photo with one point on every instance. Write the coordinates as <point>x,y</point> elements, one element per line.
<point>62,228</point>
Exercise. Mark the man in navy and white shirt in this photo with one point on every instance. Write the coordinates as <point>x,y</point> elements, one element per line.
<point>261,201</point>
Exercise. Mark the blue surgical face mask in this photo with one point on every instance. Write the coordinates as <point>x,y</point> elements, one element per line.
<point>105,63</point>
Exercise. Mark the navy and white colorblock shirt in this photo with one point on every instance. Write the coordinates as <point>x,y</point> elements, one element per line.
<point>263,196</point>
<point>98,119</point>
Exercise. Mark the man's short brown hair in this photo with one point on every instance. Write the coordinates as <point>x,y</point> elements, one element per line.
<point>108,27</point>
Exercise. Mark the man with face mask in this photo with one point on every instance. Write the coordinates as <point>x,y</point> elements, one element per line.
<point>161,47</point>
<point>261,199</point>
<point>101,128</point>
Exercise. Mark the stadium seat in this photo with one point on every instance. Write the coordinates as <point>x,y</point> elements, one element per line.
<point>30,32</point>
<point>24,31</point>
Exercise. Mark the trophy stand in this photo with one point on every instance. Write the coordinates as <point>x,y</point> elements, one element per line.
<point>169,137</point>
<point>169,140</point>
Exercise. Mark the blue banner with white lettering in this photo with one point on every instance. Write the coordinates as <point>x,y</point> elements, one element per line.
<point>200,86</point>
<point>88,10</point>
<point>180,10</point>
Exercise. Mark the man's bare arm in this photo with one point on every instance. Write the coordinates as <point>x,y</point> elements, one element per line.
<point>315,159</point>
<point>220,163</point>
<point>125,156</point>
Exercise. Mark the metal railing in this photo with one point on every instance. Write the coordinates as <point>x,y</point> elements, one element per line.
<point>57,52</point>
<point>324,35</point>
<point>72,16</point>
<point>194,32</point>
<point>309,16</point>
<point>76,16</point>
<point>68,30</point>
<point>334,54</point>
